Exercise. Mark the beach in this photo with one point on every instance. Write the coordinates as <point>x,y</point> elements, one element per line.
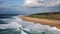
<point>53,23</point>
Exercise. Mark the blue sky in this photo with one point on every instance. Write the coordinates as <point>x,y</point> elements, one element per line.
<point>32,6</point>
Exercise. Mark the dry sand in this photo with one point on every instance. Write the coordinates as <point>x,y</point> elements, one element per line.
<point>55,23</point>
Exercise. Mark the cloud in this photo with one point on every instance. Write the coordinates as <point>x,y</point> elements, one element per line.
<point>46,3</point>
<point>30,6</point>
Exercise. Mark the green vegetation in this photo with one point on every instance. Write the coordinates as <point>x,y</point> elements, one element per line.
<point>46,16</point>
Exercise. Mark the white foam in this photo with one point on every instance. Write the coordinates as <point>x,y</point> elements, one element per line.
<point>22,32</point>
<point>17,23</point>
<point>11,25</point>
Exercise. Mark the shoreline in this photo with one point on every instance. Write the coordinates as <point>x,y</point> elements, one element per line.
<point>54,23</point>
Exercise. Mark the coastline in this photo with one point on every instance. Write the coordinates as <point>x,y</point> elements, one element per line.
<point>54,23</point>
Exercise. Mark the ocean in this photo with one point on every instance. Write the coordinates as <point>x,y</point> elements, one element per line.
<point>11,24</point>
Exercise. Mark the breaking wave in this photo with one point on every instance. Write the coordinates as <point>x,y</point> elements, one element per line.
<point>25,27</point>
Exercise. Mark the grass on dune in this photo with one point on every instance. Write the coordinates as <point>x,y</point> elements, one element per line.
<point>55,16</point>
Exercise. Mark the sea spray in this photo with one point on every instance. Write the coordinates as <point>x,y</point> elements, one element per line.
<point>22,32</point>
<point>24,27</point>
<point>31,28</point>
<point>11,27</point>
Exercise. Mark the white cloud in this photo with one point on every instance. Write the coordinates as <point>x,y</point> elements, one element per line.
<point>46,3</point>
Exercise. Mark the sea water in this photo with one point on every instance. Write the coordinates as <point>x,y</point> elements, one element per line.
<point>15,25</point>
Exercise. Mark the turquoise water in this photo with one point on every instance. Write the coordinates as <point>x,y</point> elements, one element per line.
<point>36,32</point>
<point>10,32</point>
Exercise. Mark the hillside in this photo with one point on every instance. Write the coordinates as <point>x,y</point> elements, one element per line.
<point>55,16</point>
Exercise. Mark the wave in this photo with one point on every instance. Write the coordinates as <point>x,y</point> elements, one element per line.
<point>16,24</point>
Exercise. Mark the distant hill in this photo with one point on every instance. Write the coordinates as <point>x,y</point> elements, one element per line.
<point>49,15</point>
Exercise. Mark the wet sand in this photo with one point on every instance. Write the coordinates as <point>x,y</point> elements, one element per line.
<point>54,23</point>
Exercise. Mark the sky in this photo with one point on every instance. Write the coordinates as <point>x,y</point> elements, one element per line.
<point>31,6</point>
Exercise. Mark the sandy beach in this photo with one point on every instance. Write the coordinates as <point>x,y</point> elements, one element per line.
<point>54,23</point>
